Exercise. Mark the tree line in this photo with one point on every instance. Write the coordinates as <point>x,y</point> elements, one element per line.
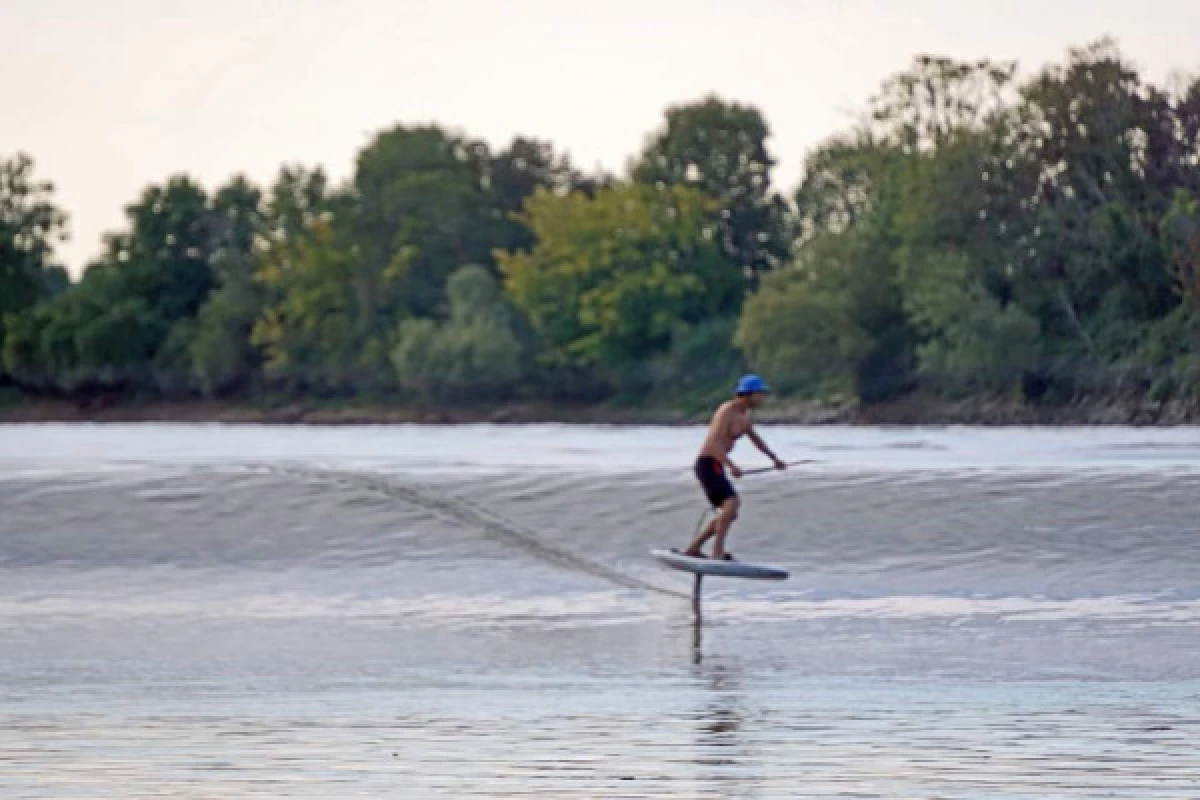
<point>971,233</point>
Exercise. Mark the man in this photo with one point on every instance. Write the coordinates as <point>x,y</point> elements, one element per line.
<point>731,421</point>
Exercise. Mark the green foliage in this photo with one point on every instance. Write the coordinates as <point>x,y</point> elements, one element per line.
<point>851,204</point>
<point>938,100</point>
<point>93,334</point>
<point>124,338</point>
<point>420,208</point>
<point>1180,231</point>
<point>130,323</point>
<point>969,341</point>
<point>839,185</point>
<point>803,335</point>
<point>30,224</point>
<point>220,354</point>
<point>719,148</point>
<point>984,233</point>
<point>165,256</point>
<point>215,347</point>
<point>517,173</point>
<point>696,369</point>
<point>1106,155</point>
<point>970,235</point>
<point>318,329</point>
<point>613,275</point>
<point>1171,351</point>
<point>476,354</point>
<point>298,198</point>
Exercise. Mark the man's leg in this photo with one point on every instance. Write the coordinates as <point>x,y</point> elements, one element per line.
<point>724,521</point>
<point>705,534</point>
<point>718,526</point>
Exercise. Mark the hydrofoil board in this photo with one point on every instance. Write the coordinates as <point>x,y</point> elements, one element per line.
<point>727,569</point>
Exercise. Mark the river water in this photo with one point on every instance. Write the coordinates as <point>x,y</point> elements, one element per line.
<point>209,611</point>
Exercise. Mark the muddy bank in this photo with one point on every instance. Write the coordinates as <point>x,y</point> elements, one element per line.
<point>912,410</point>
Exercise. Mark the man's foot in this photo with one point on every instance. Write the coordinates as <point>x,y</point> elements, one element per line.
<point>693,554</point>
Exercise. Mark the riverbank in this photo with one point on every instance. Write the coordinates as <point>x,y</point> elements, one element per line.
<point>911,410</point>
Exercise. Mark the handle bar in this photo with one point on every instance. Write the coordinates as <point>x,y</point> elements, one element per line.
<point>761,470</point>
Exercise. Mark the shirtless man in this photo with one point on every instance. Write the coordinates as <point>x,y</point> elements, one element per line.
<point>731,421</point>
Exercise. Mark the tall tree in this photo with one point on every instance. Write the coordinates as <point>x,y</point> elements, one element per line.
<point>720,148</point>
<point>320,329</point>
<point>937,99</point>
<point>216,348</point>
<point>419,195</point>
<point>520,170</point>
<point>296,199</point>
<point>612,276</point>
<point>840,183</point>
<point>30,225</point>
<point>1090,250</point>
<point>131,321</point>
<point>166,254</point>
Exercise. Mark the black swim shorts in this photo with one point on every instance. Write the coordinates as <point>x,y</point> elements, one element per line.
<point>711,474</point>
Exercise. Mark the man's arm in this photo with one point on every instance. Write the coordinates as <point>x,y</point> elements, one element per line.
<point>733,468</point>
<point>766,451</point>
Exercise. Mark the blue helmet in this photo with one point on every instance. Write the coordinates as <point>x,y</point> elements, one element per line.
<point>752,383</point>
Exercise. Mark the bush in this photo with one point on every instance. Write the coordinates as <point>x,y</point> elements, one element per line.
<point>984,347</point>
<point>476,355</point>
<point>969,340</point>
<point>700,365</point>
<point>220,355</point>
<point>802,336</point>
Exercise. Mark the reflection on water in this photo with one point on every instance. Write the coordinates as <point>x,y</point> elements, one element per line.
<point>722,750</point>
<point>720,733</point>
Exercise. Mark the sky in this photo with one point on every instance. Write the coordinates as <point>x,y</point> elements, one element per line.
<point>111,96</point>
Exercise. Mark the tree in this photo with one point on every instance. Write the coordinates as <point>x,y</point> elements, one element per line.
<point>30,224</point>
<point>828,321</point>
<point>526,165</point>
<point>298,198</point>
<point>96,334</point>
<point>119,327</point>
<point>838,187</point>
<point>166,255</point>
<point>611,276</point>
<point>183,249</point>
<point>420,208</point>
<point>848,205</point>
<point>318,329</point>
<point>969,340</point>
<point>216,346</point>
<point>720,149</point>
<point>1090,246</point>
<point>519,171</point>
<point>1181,239</point>
<point>802,335</point>
<point>938,99</point>
<point>477,354</point>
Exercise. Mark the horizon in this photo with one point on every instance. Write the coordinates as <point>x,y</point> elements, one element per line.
<point>576,77</point>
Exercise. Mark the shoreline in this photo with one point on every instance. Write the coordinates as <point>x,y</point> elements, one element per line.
<point>913,410</point>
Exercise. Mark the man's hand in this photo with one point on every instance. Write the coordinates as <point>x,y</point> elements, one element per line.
<point>778,464</point>
<point>734,470</point>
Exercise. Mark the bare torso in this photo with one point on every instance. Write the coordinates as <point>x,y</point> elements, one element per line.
<point>729,423</point>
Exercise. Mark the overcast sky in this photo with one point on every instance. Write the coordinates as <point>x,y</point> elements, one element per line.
<point>110,96</point>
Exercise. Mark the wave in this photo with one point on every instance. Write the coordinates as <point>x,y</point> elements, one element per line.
<point>866,533</point>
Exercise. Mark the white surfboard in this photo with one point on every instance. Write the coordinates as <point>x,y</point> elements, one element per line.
<point>727,569</point>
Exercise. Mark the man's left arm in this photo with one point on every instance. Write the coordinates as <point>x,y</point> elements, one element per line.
<point>761,445</point>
